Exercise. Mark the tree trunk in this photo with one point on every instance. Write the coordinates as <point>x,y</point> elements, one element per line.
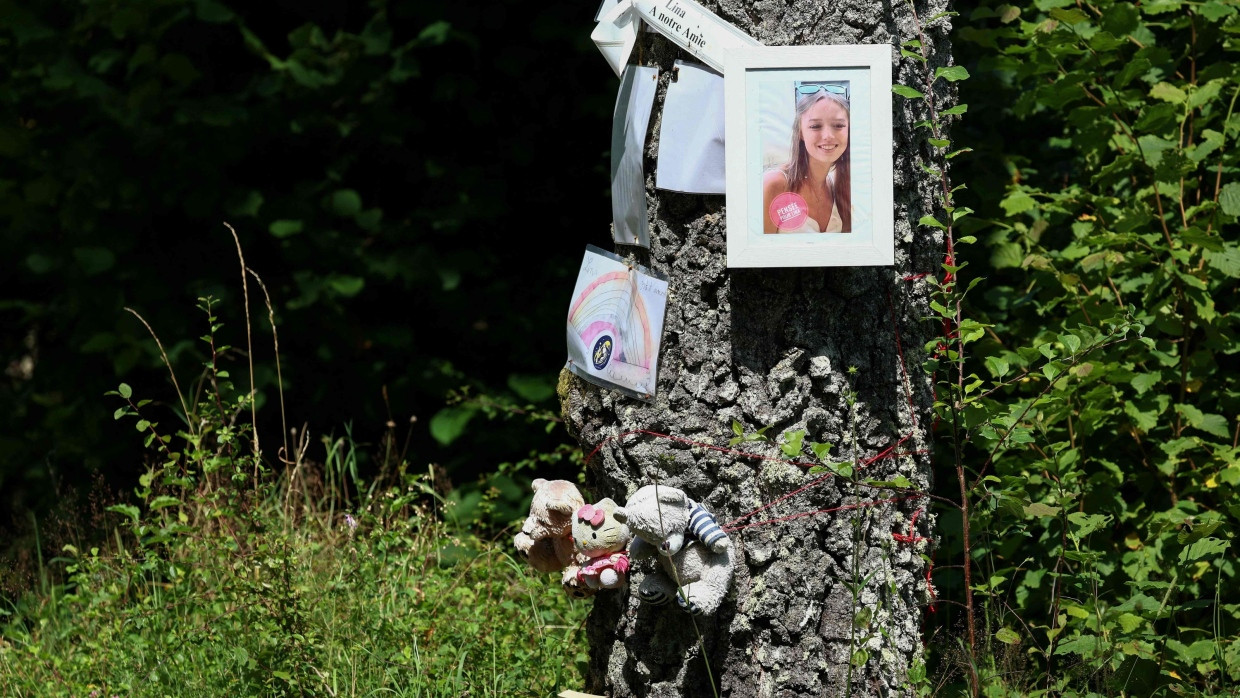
<point>826,604</point>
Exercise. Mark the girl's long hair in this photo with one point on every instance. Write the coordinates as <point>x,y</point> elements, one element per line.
<point>797,168</point>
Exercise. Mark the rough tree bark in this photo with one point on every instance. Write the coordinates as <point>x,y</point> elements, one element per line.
<point>774,347</point>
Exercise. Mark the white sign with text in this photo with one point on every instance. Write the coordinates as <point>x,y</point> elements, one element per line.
<point>687,24</point>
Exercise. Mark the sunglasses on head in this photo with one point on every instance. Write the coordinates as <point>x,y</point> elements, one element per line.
<point>812,88</point>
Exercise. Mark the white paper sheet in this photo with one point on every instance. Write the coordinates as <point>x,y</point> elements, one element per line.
<point>691,152</point>
<point>628,143</point>
<point>615,324</point>
<point>616,33</point>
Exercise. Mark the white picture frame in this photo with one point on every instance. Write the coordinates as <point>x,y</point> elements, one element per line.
<point>765,84</point>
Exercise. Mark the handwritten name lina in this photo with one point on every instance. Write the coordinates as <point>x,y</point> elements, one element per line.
<point>671,21</point>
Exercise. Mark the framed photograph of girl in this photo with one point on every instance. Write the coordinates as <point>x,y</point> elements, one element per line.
<point>809,156</point>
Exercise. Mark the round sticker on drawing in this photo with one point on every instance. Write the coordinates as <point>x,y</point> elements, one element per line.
<point>788,211</point>
<point>602,352</point>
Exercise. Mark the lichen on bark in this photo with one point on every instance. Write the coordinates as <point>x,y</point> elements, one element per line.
<point>773,347</point>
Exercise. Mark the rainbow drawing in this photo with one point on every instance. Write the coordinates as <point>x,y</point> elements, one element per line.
<point>614,324</point>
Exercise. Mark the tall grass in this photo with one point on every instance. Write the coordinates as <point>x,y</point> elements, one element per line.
<point>406,608</point>
<point>228,575</point>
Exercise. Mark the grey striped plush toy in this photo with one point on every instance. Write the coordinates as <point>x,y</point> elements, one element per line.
<point>661,520</point>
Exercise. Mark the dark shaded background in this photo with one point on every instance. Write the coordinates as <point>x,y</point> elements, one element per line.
<point>415,182</point>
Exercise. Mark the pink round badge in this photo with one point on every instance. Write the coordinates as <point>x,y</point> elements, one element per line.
<point>788,211</point>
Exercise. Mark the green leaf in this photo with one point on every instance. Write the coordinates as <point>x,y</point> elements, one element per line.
<point>1130,622</point>
<point>1006,255</point>
<point>898,481</point>
<point>1052,370</point>
<point>1144,381</point>
<point>821,451</point>
<point>1040,509</point>
<point>1143,420</point>
<point>1201,650</point>
<point>1210,423</point>
<point>908,92</point>
<point>1168,93</point>
<point>163,501</point>
<point>1229,198</point>
<point>932,222</point>
<point>248,206</point>
<point>958,109</point>
<point>1120,19</point>
<point>971,330</point>
<point>346,202</point>
<point>1130,71</point>
<point>1007,636</point>
<point>449,423</point>
<point>938,142</point>
<point>792,443</point>
<point>125,391</point>
<point>94,260</point>
<point>126,509</point>
<point>997,366</point>
<point>1069,16</point>
<point>212,12</point>
<point>40,264</point>
<point>1017,202</point>
<point>917,672</point>
<point>1072,342</point>
<point>737,428</point>
<point>1203,548</point>
<point>285,228</point>
<point>1158,7</point>
<point>348,286</point>
<point>953,73</point>
<point>1087,523</point>
<point>1196,236</point>
<point>1226,261</point>
<point>435,34</point>
<point>1214,11</point>
<point>1085,645</point>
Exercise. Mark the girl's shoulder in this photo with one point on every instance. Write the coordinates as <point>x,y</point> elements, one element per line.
<point>775,176</point>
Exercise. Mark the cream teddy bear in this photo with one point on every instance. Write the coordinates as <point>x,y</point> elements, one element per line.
<point>546,539</point>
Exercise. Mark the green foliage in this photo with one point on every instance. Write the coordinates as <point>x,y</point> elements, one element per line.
<point>255,606</point>
<point>1087,394</point>
<point>226,579</point>
<point>372,155</point>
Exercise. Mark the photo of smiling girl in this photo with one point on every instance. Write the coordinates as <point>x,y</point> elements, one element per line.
<point>811,192</point>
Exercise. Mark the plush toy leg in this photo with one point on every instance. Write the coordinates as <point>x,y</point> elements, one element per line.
<point>656,589</point>
<point>698,598</point>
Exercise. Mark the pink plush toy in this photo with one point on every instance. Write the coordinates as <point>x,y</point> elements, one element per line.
<point>599,536</point>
